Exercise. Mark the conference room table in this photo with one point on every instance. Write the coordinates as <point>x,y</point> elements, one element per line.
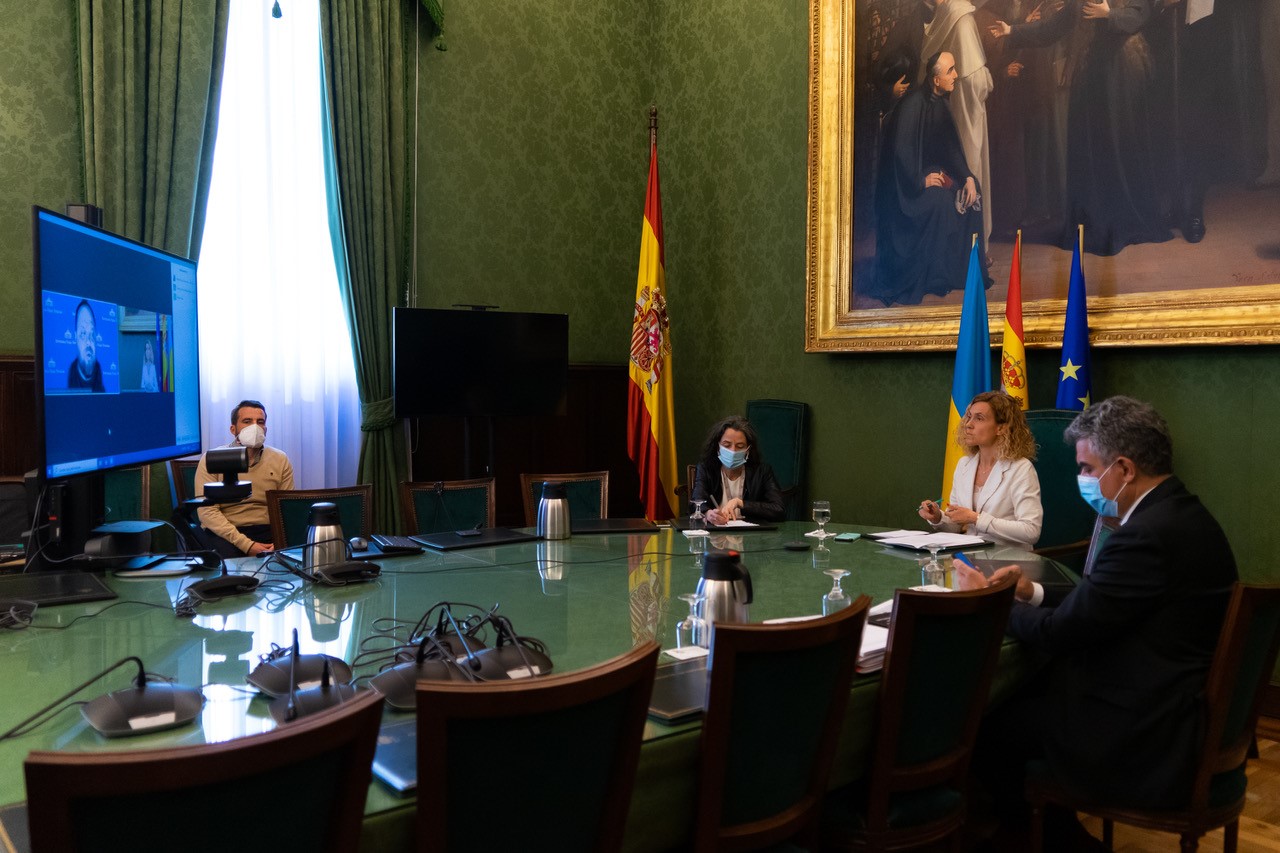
<point>587,598</point>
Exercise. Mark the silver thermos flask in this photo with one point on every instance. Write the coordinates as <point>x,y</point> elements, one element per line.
<point>553,512</point>
<point>325,543</point>
<point>725,586</point>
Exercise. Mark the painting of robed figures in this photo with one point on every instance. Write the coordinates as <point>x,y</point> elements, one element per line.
<point>1153,124</point>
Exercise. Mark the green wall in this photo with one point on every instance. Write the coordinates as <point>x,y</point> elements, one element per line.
<point>534,135</point>
<point>39,146</point>
<point>532,166</point>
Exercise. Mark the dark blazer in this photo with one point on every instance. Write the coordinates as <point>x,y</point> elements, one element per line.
<point>761,495</point>
<point>1132,646</point>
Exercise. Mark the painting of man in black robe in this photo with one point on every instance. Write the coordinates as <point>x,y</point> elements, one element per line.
<point>1155,124</point>
<point>927,199</point>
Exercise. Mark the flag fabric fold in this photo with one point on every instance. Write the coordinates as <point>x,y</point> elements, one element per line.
<point>1075,386</point>
<point>973,362</point>
<point>651,431</point>
<point>1013,351</point>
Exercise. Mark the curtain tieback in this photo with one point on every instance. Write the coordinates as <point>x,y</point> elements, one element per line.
<point>377,415</point>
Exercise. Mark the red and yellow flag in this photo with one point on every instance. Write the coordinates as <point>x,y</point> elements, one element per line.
<point>651,422</point>
<point>1013,353</point>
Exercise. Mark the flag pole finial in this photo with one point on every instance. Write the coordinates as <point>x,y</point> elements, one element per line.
<point>653,124</point>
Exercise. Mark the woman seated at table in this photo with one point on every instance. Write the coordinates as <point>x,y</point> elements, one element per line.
<point>995,491</point>
<point>733,476</point>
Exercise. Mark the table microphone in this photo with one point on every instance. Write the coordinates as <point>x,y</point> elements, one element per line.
<point>300,703</point>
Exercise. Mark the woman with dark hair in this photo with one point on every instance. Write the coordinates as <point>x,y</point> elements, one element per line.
<point>732,474</point>
<point>995,491</point>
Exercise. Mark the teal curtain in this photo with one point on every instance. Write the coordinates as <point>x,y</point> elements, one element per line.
<point>369,53</point>
<point>150,76</point>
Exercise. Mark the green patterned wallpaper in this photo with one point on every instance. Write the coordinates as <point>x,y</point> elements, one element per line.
<point>533,155</point>
<point>39,145</point>
<point>533,170</point>
<point>533,161</point>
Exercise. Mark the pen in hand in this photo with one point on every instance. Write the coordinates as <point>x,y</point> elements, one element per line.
<point>962,558</point>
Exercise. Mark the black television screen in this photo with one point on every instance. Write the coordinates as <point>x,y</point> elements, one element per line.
<point>479,363</point>
<point>117,354</point>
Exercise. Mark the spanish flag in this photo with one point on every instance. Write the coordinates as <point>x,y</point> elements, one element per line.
<point>973,363</point>
<point>651,422</point>
<point>1013,353</point>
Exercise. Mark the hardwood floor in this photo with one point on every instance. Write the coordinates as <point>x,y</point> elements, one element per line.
<point>1259,826</point>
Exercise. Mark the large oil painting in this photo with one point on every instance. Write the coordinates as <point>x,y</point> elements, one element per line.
<point>933,124</point>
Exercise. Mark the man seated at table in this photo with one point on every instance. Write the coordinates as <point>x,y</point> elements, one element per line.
<point>1117,715</point>
<point>243,528</point>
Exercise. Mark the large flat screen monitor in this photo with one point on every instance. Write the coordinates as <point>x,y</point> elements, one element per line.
<point>117,356</point>
<point>479,363</point>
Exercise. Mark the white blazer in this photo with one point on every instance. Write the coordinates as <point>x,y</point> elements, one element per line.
<point>1008,504</point>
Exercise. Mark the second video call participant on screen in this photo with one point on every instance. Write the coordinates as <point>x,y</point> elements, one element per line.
<point>995,491</point>
<point>243,528</point>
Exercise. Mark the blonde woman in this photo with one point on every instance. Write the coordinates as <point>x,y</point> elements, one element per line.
<point>995,491</point>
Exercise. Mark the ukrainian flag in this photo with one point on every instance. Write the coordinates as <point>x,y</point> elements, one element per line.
<point>973,363</point>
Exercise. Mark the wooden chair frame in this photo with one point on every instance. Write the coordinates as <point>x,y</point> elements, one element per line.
<point>531,502</point>
<point>177,482</point>
<point>731,642</point>
<point>57,780</point>
<point>1216,756</point>
<point>439,703</point>
<point>409,511</point>
<point>887,777</point>
<point>277,496</point>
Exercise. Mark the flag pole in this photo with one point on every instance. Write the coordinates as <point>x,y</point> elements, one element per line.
<point>653,124</point>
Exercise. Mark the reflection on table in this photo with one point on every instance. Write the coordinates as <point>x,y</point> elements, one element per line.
<point>587,599</point>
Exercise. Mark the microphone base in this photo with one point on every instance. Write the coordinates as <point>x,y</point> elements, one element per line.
<point>310,701</point>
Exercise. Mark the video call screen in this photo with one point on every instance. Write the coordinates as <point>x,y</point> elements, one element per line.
<point>119,354</point>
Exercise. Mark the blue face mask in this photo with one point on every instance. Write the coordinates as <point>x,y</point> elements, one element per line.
<point>1091,491</point>
<point>732,458</point>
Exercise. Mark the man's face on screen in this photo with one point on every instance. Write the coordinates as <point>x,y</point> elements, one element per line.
<point>86,339</point>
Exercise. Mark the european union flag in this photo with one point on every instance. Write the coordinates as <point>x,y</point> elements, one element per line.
<point>1074,384</point>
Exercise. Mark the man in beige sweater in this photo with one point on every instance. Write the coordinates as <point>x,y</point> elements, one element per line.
<point>243,528</point>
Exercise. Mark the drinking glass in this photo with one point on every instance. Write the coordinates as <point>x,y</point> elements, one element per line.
<point>698,548</point>
<point>931,571</point>
<point>821,556</point>
<point>692,630</point>
<point>699,517</point>
<point>821,515</point>
<point>835,600</point>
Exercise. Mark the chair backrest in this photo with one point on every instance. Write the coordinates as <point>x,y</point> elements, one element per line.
<point>432,507</point>
<point>783,427</point>
<point>299,787</point>
<point>684,491</point>
<point>495,771</point>
<point>127,494</point>
<point>1242,665</point>
<point>1102,530</point>
<point>939,662</point>
<point>587,492</point>
<point>1067,519</point>
<point>288,510</point>
<point>182,478</point>
<point>760,782</point>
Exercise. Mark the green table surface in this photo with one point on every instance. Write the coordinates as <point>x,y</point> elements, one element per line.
<point>588,598</point>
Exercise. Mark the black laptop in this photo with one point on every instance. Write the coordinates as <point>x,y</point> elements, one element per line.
<point>679,691</point>
<point>452,540</point>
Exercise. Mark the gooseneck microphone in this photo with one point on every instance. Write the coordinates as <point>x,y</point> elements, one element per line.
<point>297,702</point>
<point>146,706</point>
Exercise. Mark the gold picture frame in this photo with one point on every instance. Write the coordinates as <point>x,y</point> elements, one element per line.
<point>1245,310</point>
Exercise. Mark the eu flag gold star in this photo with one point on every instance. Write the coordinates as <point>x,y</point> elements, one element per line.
<point>1070,370</point>
<point>1085,400</point>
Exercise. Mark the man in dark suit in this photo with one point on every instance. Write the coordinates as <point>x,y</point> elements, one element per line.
<point>1117,714</point>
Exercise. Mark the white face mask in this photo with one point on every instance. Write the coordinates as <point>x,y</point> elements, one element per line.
<point>252,436</point>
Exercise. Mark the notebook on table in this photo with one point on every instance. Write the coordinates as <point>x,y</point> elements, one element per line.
<point>395,759</point>
<point>732,527</point>
<point>679,691</point>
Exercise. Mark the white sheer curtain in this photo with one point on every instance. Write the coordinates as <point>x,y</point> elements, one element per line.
<point>271,322</point>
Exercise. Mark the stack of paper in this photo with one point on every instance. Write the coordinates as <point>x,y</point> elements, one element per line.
<point>874,640</point>
<point>921,541</point>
